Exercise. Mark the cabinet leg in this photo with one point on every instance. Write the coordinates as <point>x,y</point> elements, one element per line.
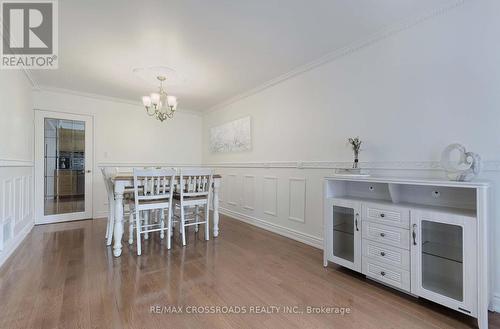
<point>482,319</point>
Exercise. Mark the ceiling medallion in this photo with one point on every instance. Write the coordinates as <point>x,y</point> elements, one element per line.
<point>160,105</point>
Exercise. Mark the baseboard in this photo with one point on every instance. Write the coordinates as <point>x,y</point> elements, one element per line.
<point>495,303</point>
<point>11,247</point>
<point>284,231</point>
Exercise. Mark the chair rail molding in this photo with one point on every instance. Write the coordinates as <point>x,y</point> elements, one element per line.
<point>382,165</point>
<point>16,163</point>
<point>125,164</point>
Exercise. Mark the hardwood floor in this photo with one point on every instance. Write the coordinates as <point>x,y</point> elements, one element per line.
<point>63,276</point>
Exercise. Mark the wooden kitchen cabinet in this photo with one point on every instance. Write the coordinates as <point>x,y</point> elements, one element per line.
<point>71,140</point>
<point>66,183</point>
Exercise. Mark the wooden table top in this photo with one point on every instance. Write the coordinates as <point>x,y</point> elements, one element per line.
<point>130,176</point>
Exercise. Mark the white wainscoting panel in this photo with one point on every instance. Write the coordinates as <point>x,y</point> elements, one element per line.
<point>297,199</point>
<point>249,192</point>
<point>274,199</point>
<point>16,206</point>
<point>28,191</point>
<point>222,193</point>
<point>231,190</point>
<point>270,195</point>
<point>7,215</point>
<point>18,199</point>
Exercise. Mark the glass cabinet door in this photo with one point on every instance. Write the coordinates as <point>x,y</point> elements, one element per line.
<point>442,259</point>
<point>345,234</point>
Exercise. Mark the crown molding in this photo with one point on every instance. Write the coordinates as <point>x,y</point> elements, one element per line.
<point>42,88</point>
<point>31,78</point>
<point>339,53</point>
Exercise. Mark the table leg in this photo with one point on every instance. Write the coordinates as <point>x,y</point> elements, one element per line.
<point>216,206</point>
<point>118,229</point>
<point>111,220</point>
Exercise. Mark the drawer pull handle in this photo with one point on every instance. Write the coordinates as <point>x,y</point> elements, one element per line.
<point>382,215</point>
<point>356,222</point>
<point>382,234</point>
<point>382,253</point>
<point>382,273</point>
<point>414,234</point>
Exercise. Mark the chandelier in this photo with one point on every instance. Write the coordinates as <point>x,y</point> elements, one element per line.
<point>160,105</point>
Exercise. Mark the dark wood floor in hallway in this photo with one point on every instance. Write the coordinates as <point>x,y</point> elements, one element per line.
<point>63,276</point>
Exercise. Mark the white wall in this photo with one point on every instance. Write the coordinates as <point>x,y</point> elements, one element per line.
<point>407,96</point>
<point>124,136</point>
<point>16,160</point>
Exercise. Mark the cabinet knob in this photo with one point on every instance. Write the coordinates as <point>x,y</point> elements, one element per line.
<point>382,215</point>
<point>382,253</point>
<point>382,234</point>
<point>382,273</point>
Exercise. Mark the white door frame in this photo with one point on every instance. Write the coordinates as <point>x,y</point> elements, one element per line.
<point>40,217</point>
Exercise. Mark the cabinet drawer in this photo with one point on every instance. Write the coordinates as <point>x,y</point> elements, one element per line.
<point>385,254</point>
<point>388,215</point>
<point>395,277</point>
<point>393,236</point>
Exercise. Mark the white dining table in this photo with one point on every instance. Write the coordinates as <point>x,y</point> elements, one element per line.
<point>124,180</point>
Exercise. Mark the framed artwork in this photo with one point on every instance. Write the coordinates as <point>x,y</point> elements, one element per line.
<point>234,136</point>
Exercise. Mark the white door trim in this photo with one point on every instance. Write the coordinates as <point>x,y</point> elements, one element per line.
<point>40,115</point>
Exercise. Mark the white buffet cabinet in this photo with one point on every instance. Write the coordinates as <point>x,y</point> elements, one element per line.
<point>424,237</point>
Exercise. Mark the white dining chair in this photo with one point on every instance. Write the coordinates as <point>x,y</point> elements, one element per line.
<point>153,192</point>
<point>192,193</point>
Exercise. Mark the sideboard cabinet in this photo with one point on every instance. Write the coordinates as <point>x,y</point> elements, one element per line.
<point>427,238</point>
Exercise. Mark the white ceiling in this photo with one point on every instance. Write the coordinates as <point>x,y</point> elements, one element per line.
<point>219,48</point>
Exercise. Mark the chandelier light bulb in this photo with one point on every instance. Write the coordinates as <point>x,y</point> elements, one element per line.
<point>146,101</point>
<point>155,98</point>
<point>172,101</point>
